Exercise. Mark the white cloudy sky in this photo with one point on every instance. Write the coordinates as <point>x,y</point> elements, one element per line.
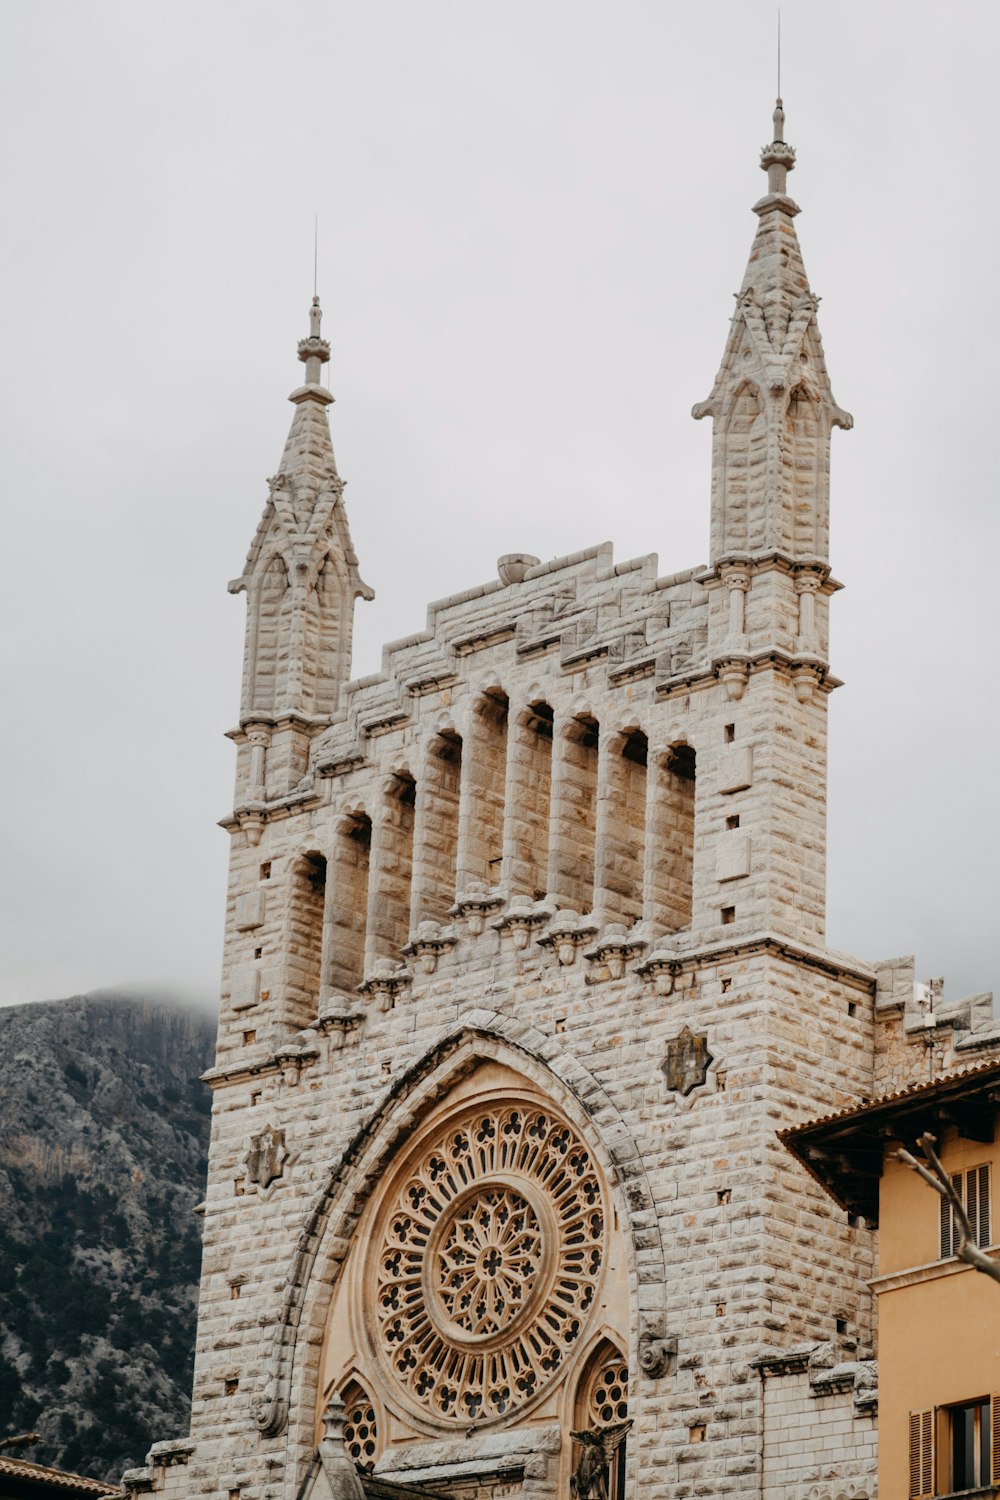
<point>533,215</point>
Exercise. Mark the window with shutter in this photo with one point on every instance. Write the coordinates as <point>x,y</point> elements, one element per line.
<point>973,1188</point>
<point>921,1454</point>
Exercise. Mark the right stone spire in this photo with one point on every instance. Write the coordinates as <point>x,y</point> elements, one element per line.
<point>772,404</point>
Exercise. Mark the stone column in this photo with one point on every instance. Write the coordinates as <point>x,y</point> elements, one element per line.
<point>807,587</point>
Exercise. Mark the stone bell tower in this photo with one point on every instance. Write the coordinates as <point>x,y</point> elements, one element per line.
<point>524,968</point>
<point>301,580</point>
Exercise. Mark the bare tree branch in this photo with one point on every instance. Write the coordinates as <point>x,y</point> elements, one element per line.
<point>934,1174</point>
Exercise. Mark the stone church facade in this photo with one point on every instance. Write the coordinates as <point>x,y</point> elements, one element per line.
<point>524,969</point>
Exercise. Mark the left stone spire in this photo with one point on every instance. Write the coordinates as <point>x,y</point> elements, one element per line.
<point>301,580</point>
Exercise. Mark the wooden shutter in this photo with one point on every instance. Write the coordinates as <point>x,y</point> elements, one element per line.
<point>921,1454</point>
<point>995,1438</point>
<point>949,1237</point>
<point>978,1191</point>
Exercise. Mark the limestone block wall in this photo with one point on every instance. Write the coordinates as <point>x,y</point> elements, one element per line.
<point>564,739</point>
<point>745,1251</point>
<point>819,1427</point>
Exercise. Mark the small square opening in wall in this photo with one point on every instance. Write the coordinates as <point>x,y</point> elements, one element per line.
<point>733,821</point>
<point>254,1097</point>
<point>231,1386</point>
<point>727,985</point>
<point>258,953</point>
<point>249,1037</point>
<point>841,1325</point>
<point>720,1309</point>
<point>724,1195</point>
<point>234,1292</point>
<point>234,1494</point>
<point>560,1025</point>
<point>696,1433</point>
<point>728,915</point>
<point>852,1008</point>
<point>265,870</point>
<point>239,1186</point>
<point>729,733</point>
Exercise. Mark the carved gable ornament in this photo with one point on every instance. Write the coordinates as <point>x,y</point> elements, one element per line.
<point>266,1157</point>
<point>687,1062</point>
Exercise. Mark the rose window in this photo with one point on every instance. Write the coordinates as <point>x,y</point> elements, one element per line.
<point>488,1263</point>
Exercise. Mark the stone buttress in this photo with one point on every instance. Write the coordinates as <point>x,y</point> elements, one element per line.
<point>525,965</point>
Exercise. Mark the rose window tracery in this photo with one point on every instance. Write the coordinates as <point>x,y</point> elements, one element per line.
<point>488,1262</point>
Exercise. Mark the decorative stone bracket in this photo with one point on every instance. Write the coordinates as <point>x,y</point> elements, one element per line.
<point>659,968</point>
<point>521,919</point>
<point>613,949</point>
<point>385,983</point>
<point>567,932</point>
<point>657,1350</point>
<point>475,904</point>
<point>428,943</point>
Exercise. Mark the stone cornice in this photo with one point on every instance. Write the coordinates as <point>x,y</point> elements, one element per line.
<point>895,1281</point>
<point>774,561</point>
<point>838,965</point>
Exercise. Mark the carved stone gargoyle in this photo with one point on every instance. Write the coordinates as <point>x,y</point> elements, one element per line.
<point>600,1444</point>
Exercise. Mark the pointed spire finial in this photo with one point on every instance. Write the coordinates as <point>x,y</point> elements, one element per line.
<point>777,159</point>
<point>314,351</point>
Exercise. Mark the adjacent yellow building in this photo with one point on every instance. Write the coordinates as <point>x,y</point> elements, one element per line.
<point>938,1318</point>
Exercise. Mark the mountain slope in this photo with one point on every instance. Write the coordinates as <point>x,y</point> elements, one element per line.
<point>103,1141</point>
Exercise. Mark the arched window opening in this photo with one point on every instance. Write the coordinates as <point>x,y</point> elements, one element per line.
<point>602,1402</point>
<point>436,868</point>
<point>486,775</point>
<point>670,862</point>
<point>305,936</point>
<point>360,1426</point>
<point>574,815</point>
<point>392,870</point>
<point>527,837</point>
<point>623,830</point>
<point>347,907</point>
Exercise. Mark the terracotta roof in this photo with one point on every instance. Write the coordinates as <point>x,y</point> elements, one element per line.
<point>44,1477</point>
<point>845,1151</point>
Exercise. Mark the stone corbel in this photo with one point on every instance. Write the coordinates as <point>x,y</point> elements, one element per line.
<point>252,820</point>
<point>659,968</point>
<point>385,983</point>
<point>521,919</point>
<point>567,932</point>
<point>292,1059</point>
<point>614,947</point>
<point>475,904</point>
<point>428,943</point>
<point>807,676</point>
<point>732,672</point>
<point>657,1349</point>
<point>269,1412</point>
<point>336,1022</point>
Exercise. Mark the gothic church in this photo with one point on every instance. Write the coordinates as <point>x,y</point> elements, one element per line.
<point>524,969</point>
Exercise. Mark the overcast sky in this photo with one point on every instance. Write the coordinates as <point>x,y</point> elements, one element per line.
<point>533,215</point>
